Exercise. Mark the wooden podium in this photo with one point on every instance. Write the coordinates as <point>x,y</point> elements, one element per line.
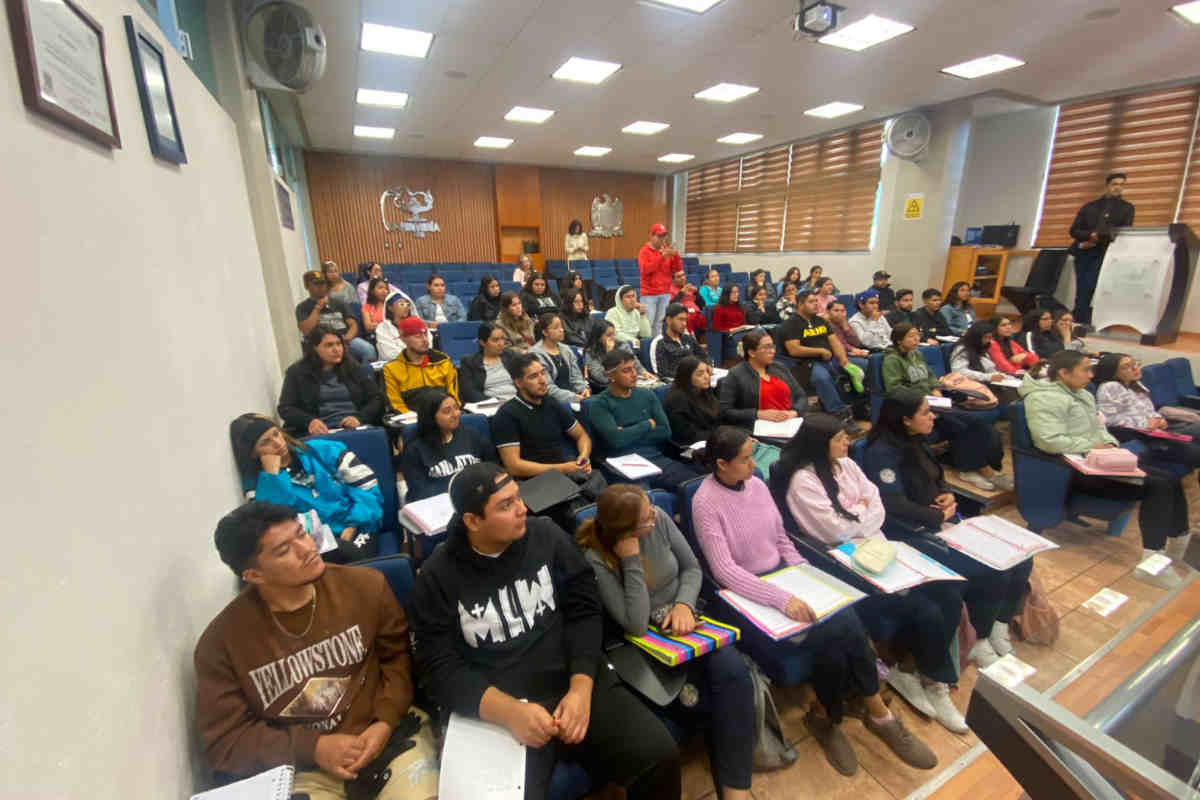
<point>984,268</point>
<point>1145,281</point>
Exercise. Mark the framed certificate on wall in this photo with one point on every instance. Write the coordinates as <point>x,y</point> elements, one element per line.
<point>60,57</point>
<point>154,90</point>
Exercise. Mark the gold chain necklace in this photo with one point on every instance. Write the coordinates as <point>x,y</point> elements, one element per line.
<point>312,616</point>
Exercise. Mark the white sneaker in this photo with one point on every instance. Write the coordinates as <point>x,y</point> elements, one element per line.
<point>1002,481</point>
<point>976,479</point>
<point>908,686</point>
<point>983,654</point>
<point>944,710</point>
<point>999,639</point>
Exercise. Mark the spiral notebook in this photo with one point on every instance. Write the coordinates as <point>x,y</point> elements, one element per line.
<point>274,784</point>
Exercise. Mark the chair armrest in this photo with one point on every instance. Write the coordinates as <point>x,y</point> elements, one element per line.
<point>1190,401</point>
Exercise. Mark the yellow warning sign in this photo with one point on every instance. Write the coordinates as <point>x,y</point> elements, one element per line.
<point>914,205</point>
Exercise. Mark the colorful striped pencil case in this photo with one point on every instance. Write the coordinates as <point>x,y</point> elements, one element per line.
<point>675,650</point>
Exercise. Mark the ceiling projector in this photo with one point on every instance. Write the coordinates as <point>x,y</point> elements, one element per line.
<point>817,19</point>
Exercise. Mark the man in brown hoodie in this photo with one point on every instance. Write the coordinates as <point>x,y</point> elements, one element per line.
<point>308,666</point>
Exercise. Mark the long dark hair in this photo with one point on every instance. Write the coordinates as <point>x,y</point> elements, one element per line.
<point>1005,342</point>
<point>810,448</point>
<point>484,283</point>
<point>347,370</point>
<point>567,281</point>
<point>972,343</point>
<point>952,296</point>
<point>528,288</point>
<point>427,401</point>
<point>1063,360</point>
<point>1106,370</point>
<point>898,404</point>
<point>759,273</point>
<point>568,305</point>
<point>725,294</point>
<point>722,444</point>
<point>683,383</point>
<point>594,344</point>
<point>506,316</point>
<point>618,513</point>
<point>793,275</point>
<point>575,228</point>
<point>371,301</point>
<point>899,331</point>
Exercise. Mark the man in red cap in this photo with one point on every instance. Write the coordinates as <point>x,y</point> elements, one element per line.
<point>657,261</point>
<point>417,366</point>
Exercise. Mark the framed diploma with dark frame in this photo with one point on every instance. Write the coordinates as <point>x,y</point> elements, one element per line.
<point>59,50</point>
<point>154,90</point>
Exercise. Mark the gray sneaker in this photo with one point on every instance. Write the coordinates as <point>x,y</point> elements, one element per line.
<point>909,748</point>
<point>835,744</point>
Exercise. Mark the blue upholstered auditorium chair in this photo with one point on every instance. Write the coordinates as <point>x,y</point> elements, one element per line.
<point>459,339</point>
<point>372,447</point>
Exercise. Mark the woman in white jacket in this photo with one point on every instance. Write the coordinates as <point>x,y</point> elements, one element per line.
<point>576,242</point>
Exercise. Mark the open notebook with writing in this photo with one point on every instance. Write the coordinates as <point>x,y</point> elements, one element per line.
<point>274,784</point>
<point>994,541</point>
<point>824,594</point>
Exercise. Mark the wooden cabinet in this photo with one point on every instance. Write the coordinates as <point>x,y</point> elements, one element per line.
<point>984,269</point>
<point>519,213</point>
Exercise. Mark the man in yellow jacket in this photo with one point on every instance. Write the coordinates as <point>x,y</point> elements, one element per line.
<point>417,366</point>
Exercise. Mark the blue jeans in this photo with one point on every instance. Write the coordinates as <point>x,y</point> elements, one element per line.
<point>362,350</point>
<point>656,311</point>
<point>1087,274</point>
<point>822,381</point>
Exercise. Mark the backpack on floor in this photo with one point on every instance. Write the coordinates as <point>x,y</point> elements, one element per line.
<point>771,748</point>
<point>1037,621</point>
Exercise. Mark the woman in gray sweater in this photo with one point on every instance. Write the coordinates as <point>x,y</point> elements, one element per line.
<point>648,575</point>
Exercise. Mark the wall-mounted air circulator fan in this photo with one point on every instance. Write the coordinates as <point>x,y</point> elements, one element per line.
<point>907,136</point>
<point>283,46</point>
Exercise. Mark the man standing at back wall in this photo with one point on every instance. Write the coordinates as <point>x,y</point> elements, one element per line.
<point>1092,233</point>
<point>657,262</point>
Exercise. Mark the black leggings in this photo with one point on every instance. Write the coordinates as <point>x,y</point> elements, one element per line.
<point>843,664</point>
<point>625,744</point>
<point>929,616</point>
<point>974,441</point>
<point>727,702</point>
<point>991,595</point>
<point>1163,513</point>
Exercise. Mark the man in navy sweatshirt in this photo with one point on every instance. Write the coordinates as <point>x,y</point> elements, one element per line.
<point>506,622</point>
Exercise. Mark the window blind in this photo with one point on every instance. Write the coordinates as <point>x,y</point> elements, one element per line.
<point>816,195</point>
<point>1145,135</point>
<point>1189,211</point>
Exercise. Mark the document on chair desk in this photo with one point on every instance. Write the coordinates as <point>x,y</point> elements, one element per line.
<point>633,466</point>
<point>480,761</point>
<point>995,541</point>
<point>429,516</point>
<point>486,407</point>
<point>1011,383</point>
<point>823,593</point>
<point>911,568</point>
<point>274,784</point>
<point>777,430</point>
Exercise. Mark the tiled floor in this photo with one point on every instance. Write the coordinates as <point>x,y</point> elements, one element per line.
<point>1087,561</point>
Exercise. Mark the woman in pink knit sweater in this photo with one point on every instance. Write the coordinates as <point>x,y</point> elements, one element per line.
<point>742,536</point>
<point>834,502</point>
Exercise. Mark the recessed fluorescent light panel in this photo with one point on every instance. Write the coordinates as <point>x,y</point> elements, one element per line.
<point>494,142</point>
<point>698,6</point>
<point>369,132</point>
<point>740,138</point>
<point>396,41</point>
<point>593,152</point>
<point>534,115</point>
<point>644,128</point>
<point>834,109</point>
<point>725,92</point>
<point>979,67</point>
<point>867,32</point>
<point>1189,11</point>
<point>378,97</point>
<point>585,70</point>
<point>676,158</point>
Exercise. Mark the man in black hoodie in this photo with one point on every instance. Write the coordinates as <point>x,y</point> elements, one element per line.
<point>506,623</point>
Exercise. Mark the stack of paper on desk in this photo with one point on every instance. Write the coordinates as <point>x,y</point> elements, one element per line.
<point>823,593</point>
<point>911,568</point>
<point>995,541</point>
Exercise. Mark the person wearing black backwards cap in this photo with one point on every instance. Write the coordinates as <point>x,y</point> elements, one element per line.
<point>887,295</point>
<point>309,666</point>
<point>506,620</point>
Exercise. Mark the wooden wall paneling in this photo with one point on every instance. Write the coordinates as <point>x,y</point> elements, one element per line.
<point>567,194</point>
<point>345,191</point>
<point>518,196</point>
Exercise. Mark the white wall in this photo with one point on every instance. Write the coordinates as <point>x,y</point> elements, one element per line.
<point>141,331</point>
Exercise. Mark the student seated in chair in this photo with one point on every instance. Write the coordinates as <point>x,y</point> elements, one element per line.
<point>486,305</point>
<point>364,282</point>
<point>322,311</point>
<point>630,419</point>
<point>602,340</point>
<point>819,356</point>
<point>442,448</point>
<point>674,343</point>
<point>628,318</point>
<point>321,475</point>
<point>484,375</point>
<point>436,306</point>
<point>648,576</point>
<point>1125,402</point>
<point>309,666</point>
<point>537,296</point>
<point>1063,418</point>
<point>567,384</point>
<point>507,628</point>
<point>975,445</point>
<point>873,330</point>
<point>742,536</point>
<point>831,499</point>
<point>327,388</point>
<point>758,388</point>
<point>903,310</point>
<point>418,366</point>
<point>515,323</point>
<point>929,319</point>
<point>914,492</point>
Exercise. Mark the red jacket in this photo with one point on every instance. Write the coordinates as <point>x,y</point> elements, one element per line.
<point>1003,364</point>
<point>656,270</point>
<point>726,318</point>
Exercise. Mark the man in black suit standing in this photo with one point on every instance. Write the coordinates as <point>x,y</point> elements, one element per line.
<point>1092,233</point>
